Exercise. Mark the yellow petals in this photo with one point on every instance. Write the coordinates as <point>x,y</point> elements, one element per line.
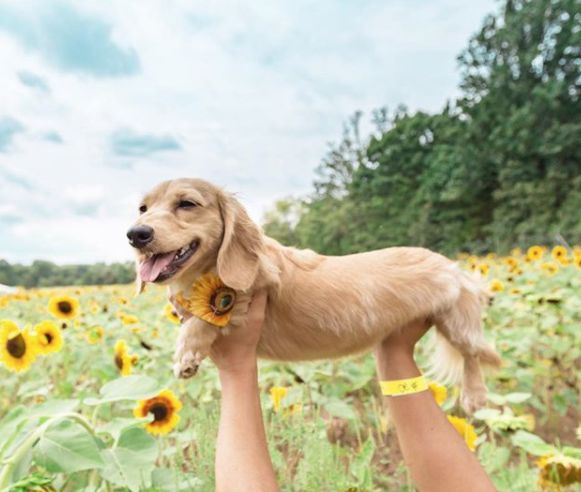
<point>439,392</point>
<point>496,286</point>
<point>465,429</point>
<point>171,314</point>
<point>211,300</point>
<point>64,307</point>
<point>163,408</point>
<point>18,348</point>
<point>535,253</point>
<point>49,337</point>
<point>277,393</point>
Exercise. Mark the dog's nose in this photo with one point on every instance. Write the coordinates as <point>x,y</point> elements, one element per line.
<point>140,236</point>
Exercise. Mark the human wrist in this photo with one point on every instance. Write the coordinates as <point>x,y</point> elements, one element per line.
<point>238,368</point>
<point>398,365</point>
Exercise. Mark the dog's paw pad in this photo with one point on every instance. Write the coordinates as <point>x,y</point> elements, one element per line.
<point>186,367</point>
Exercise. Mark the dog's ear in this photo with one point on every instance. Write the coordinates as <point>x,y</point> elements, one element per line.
<point>239,253</point>
<point>139,284</point>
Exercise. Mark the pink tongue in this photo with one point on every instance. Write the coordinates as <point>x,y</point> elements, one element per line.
<point>150,269</point>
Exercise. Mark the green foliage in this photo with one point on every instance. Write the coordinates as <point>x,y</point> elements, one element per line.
<point>45,274</point>
<point>498,167</point>
<point>68,423</point>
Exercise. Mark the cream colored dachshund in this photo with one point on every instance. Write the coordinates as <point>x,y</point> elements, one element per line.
<point>200,242</point>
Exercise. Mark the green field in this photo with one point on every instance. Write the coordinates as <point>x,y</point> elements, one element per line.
<point>67,421</point>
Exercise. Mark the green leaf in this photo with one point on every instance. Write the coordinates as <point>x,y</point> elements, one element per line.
<point>126,388</point>
<point>486,413</point>
<point>130,463</point>
<point>54,407</point>
<point>517,397</point>
<point>166,480</point>
<point>11,423</point>
<point>572,452</point>
<point>532,443</point>
<point>116,426</point>
<point>68,447</point>
<point>496,398</point>
<point>338,408</point>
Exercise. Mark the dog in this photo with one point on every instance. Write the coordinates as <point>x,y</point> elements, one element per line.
<point>318,306</point>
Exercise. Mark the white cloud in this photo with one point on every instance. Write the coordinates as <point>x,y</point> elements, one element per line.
<point>251,91</point>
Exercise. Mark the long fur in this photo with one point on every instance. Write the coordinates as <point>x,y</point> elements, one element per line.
<point>320,306</point>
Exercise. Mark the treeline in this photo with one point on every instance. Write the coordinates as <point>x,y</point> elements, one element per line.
<point>498,167</point>
<point>44,273</point>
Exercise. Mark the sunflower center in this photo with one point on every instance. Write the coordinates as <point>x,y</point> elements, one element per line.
<point>119,362</point>
<point>159,411</point>
<point>16,346</point>
<point>65,307</point>
<point>223,300</point>
<point>49,338</point>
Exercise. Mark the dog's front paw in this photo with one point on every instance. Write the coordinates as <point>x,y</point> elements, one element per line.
<point>187,359</point>
<point>193,346</point>
<point>187,366</point>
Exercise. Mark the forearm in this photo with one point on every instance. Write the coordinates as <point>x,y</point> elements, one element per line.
<point>242,458</point>
<point>436,455</point>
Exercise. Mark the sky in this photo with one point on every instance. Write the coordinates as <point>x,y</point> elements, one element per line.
<point>100,100</point>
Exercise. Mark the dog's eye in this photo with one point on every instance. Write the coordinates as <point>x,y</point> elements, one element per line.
<point>143,209</point>
<point>186,204</point>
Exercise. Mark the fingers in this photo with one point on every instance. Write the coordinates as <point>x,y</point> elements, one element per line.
<point>257,306</point>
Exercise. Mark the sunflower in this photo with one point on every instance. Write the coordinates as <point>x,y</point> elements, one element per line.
<point>496,285</point>
<point>123,359</point>
<point>64,307</point>
<point>127,319</point>
<point>277,393</point>
<point>18,348</point>
<point>94,307</point>
<point>564,261</point>
<point>164,407</point>
<point>577,261</point>
<point>48,337</point>
<point>511,262</point>
<point>465,429</point>
<point>484,268</point>
<point>558,470</point>
<point>211,300</point>
<point>439,392</point>
<point>171,313</point>
<point>95,335</point>
<point>559,252</point>
<point>516,252</point>
<point>550,267</point>
<point>535,253</point>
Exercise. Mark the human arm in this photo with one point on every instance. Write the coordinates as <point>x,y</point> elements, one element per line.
<point>435,454</point>
<point>242,459</point>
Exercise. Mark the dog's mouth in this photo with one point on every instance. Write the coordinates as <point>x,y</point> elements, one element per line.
<point>162,266</point>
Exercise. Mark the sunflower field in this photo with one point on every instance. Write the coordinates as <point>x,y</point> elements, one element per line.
<point>88,400</point>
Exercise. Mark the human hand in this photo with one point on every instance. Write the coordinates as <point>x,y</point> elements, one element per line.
<point>405,339</point>
<point>395,354</point>
<point>237,351</point>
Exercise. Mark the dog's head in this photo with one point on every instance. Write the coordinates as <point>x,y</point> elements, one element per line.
<point>189,226</point>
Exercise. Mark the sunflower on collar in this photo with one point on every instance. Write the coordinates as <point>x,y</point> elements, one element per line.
<point>211,300</point>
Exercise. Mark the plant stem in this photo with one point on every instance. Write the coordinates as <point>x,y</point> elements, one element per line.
<point>31,440</point>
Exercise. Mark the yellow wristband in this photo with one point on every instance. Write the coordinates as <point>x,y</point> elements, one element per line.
<point>403,386</point>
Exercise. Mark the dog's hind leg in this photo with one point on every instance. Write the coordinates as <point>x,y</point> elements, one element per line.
<point>460,348</point>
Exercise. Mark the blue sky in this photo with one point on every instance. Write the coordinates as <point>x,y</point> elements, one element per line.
<point>101,100</point>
